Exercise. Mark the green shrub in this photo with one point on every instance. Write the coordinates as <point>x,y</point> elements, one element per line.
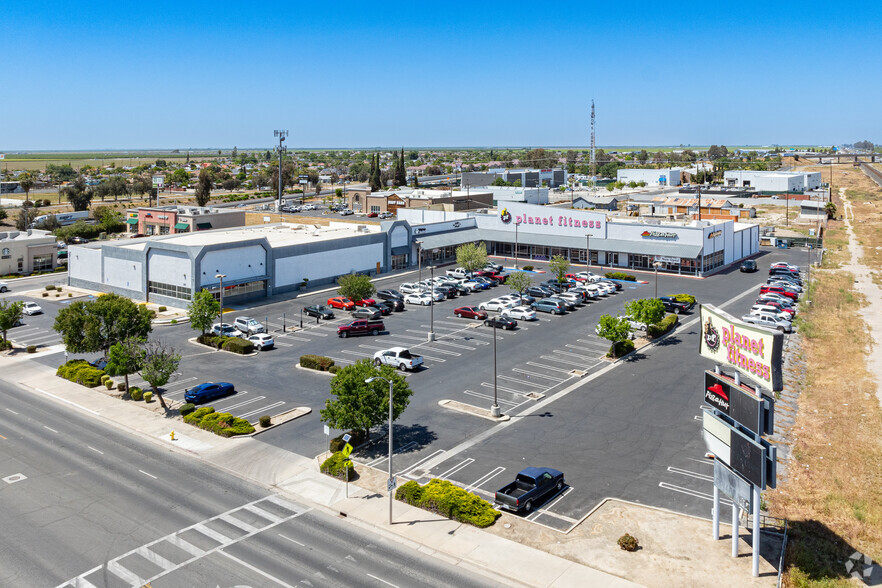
<point>50,287</point>
<point>237,345</point>
<point>266,421</point>
<point>162,309</point>
<point>109,384</point>
<point>121,387</point>
<point>32,349</point>
<point>104,378</point>
<point>174,321</point>
<point>336,466</point>
<point>148,396</point>
<point>5,345</point>
<point>70,294</point>
<point>447,499</point>
<point>527,268</point>
<point>194,417</point>
<point>45,294</point>
<point>666,324</point>
<point>187,408</point>
<point>79,371</point>
<point>334,369</point>
<point>621,348</point>
<point>358,437</point>
<point>621,276</point>
<point>687,298</point>
<point>316,362</point>
<point>219,423</point>
<point>136,394</point>
<point>628,542</point>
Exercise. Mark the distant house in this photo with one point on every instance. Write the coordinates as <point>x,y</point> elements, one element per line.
<point>597,203</point>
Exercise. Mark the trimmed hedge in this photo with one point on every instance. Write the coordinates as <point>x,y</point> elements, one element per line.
<point>316,362</point>
<point>265,421</point>
<point>148,396</point>
<point>621,276</point>
<point>447,499</point>
<point>336,466</point>
<point>32,349</point>
<point>358,437</point>
<point>219,423</point>
<point>237,345</point>
<point>136,394</point>
<point>621,348</point>
<point>79,371</point>
<point>108,383</point>
<point>665,325</point>
<point>527,268</point>
<point>187,408</point>
<point>5,345</point>
<point>334,369</point>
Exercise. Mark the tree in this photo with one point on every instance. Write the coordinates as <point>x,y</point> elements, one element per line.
<point>160,363</point>
<point>830,209</point>
<point>125,357</point>
<point>179,176</point>
<point>375,179</point>
<point>78,194</point>
<point>235,153</point>
<point>26,216</point>
<point>614,329</point>
<point>649,311</point>
<point>357,405</point>
<point>642,156</point>
<point>518,282</point>
<point>203,309</point>
<point>401,170</point>
<point>318,188</point>
<point>203,187</point>
<point>62,173</point>
<point>142,184</point>
<point>558,266</point>
<point>88,327</point>
<point>3,214</point>
<point>471,256</point>
<point>10,314</point>
<point>26,181</point>
<point>355,286</point>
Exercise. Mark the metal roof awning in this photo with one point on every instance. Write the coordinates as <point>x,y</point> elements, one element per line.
<point>203,226</point>
<point>403,250</point>
<point>643,247</point>
<point>184,226</point>
<point>131,221</point>
<point>452,238</point>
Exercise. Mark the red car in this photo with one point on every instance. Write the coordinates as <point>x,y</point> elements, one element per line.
<point>341,302</point>
<point>472,312</point>
<point>778,305</point>
<point>574,277</point>
<point>365,302</point>
<point>373,214</point>
<point>778,290</point>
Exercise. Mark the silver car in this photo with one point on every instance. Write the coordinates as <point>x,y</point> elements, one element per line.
<point>768,321</point>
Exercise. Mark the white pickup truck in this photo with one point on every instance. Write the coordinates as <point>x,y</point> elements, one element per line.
<point>398,357</point>
<point>458,273</point>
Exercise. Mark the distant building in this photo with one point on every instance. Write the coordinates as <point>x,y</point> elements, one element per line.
<point>24,252</point>
<point>529,178</point>
<point>392,200</point>
<point>597,203</point>
<point>773,182</point>
<point>170,220</point>
<point>672,176</point>
<point>503,194</point>
<point>710,208</point>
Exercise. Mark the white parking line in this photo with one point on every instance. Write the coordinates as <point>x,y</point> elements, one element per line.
<point>456,468</point>
<point>455,345</point>
<point>263,409</point>
<point>529,373</point>
<point>404,471</point>
<point>484,479</point>
<point>546,509</point>
<point>547,367</point>
<point>683,472</point>
<point>383,458</point>
<point>568,361</point>
<point>535,385</point>
<point>244,403</point>
<point>562,352</point>
<point>341,360</point>
<point>694,493</point>
<point>504,389</point>
<point>488,397</point>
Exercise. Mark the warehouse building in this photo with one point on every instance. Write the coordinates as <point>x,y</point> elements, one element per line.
<point>528,178</point>
<point>773,182</point>
<point>671,176</point>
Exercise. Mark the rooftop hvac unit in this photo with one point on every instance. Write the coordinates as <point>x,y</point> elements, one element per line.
<point>194,211</point>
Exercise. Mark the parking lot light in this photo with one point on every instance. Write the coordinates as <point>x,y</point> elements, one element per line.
<point>656,265</point>
<point>391,490</point>
<point>494,410</point>
<point>221,278</point>
<point>432,306</point>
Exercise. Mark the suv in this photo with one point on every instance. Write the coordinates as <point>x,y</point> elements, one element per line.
<point>248,325</point>
<point>748,265</point>
<point>549,305</point>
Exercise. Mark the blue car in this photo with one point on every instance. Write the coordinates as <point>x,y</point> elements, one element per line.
<point>208,391</point>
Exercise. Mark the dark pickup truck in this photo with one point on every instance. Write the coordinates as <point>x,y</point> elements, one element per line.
<point>676,306</point>
<point>530,486</point>
<point>361,327</point>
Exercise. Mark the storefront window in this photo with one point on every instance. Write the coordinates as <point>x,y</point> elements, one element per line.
<point>399,262</point>
<point>42,262</point>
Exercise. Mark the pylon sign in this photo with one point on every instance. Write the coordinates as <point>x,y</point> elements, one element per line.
<point>741,403</point>
<point>739,449</point>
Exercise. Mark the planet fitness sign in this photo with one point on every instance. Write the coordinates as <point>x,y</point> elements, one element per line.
<point>542,219</point>
<point>753,351</point>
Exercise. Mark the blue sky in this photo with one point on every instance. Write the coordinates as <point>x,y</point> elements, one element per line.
<point>101,75</point>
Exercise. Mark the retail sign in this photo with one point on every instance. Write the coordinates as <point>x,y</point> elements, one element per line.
<point>748,455</point>
<point>753,351</point>
<point>732,485</point>
<point>533,218</point>
<point>666,259</point>
<point>743,404</point>
<point>714,234</point>
<point>659,235</point>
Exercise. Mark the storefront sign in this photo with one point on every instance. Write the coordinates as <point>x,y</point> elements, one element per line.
<point>714,234</point>
<point>666,259</point>
<point>659,235</point>
<point>753,351</point>
<point>549,220</point>
<point>751,457</point>
<point>739,402</point>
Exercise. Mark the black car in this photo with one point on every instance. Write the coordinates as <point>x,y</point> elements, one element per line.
<point>390,295</point>
<point>554,286</point>
<point>671,304</point>
<point>748,265</point>
<point>501,322</point>
<point>319,311</point>
<point>382,307</point>
<point>538,292</point>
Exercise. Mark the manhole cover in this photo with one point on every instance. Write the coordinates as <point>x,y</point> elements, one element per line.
<point>15,478</point>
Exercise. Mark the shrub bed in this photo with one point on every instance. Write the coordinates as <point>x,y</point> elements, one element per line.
<point>358,437</point>
<point>219,423</point>
<point>316,362</point>
<point>620,276</point>
<point>665,325</point>
<point>5,345</point>
<point>621,348</point>
<point>449,500</point>
<point>336,466</point>
<point>79,371</point>
<point>136,394</point>
<point>237,345</point>
<point>187,408</point>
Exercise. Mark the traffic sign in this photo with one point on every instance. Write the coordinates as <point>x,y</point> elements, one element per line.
<point>391,483</point>
<point>347,450</point>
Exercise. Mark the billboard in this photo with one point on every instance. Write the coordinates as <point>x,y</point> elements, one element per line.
<point>751,457</point>
<point>741,403</point>
<point>754,351</point>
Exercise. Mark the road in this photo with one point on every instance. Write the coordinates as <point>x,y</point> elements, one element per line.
<point>84,504</point>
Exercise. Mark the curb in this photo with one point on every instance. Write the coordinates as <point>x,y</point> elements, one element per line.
<point>300,367</point>
<point>210,348</point>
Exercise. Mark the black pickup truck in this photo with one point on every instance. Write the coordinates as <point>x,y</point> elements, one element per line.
<point>530,486</point>
<point>676,306</point>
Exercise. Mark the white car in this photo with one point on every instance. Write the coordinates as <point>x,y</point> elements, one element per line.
<point>4,287</point>
<point>786,285</point>
<point>592,293</point>
<point>437,295</point>
<point>775,297</point>
<point>472,285</point>
<point>410,288</point>
<point>774,313</point>
<point>496,305</point>
<point>458,273</point>
<point>521,313</point>
<point>588,276</point>
<point>248,325</point>
<point>570,297</point>
<point>262,341</point>
<point>225,329</point>
<point>31,308</point>
<point>636,325</point>
<point>604,289</point>
<point>421,299</point>
<point>767,321</point>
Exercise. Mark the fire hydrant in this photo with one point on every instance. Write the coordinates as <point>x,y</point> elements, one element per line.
<point>172,435</point>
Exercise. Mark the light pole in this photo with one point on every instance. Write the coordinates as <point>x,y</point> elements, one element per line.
<point>656,264</point>
<point>587,251</point>
<point>494,410</point>
<point>221,278</point>
<point>516,244</point>
<point>281,135</point>
<point>432,306</point>
<point>419,245</point>
<point>390,483</point>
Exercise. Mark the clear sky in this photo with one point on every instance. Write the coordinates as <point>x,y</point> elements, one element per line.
<point>113,75</point>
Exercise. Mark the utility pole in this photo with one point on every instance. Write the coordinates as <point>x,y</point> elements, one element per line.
<point>593,156</point>
<point>281,149</point>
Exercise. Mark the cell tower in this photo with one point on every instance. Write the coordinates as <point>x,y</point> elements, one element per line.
<point>593,157</point>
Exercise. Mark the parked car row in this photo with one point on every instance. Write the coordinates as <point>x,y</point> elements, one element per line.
<point>775,308</point>
<point>246,328</point>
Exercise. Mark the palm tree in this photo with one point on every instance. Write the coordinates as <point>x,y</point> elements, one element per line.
<point>830,208</point>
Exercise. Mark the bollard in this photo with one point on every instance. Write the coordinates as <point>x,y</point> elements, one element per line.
<point>173,436</point>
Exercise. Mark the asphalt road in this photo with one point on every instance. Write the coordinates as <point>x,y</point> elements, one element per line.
<point>82,501</point>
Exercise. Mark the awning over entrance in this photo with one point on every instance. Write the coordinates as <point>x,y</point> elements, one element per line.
<point>131,221</point>
<point>203,226</point>
<point>452,238</point>
<point>182,226</point>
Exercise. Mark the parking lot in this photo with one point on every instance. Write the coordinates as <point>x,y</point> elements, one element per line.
<point>628,430</point>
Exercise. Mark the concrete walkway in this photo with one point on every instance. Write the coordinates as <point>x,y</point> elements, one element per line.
<point>298,476</point>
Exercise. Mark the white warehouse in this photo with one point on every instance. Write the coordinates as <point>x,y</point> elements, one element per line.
<point>653,177</point>
<point>773,181</point>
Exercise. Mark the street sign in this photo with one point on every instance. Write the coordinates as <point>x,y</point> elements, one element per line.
<point>304,181</point>
<point>346,438</point>
<point>391,483</point>
<point>737,447</point>
<point>740,402</point>
<point>732,485</point>
<point>753,351</point>
<point>327,430</point>
<point>347,450</point>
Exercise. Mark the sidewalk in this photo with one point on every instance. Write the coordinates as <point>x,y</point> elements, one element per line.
<point>289,473</point>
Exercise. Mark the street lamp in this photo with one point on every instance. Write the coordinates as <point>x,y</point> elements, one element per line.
<point>390,484</point>
<point>494,410</point>
<point>587,251</point>
<point>432,306</point>
<point>656,264</point>
<point>419,245</point>
<point>221,278</point>
<point>517,223</point>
